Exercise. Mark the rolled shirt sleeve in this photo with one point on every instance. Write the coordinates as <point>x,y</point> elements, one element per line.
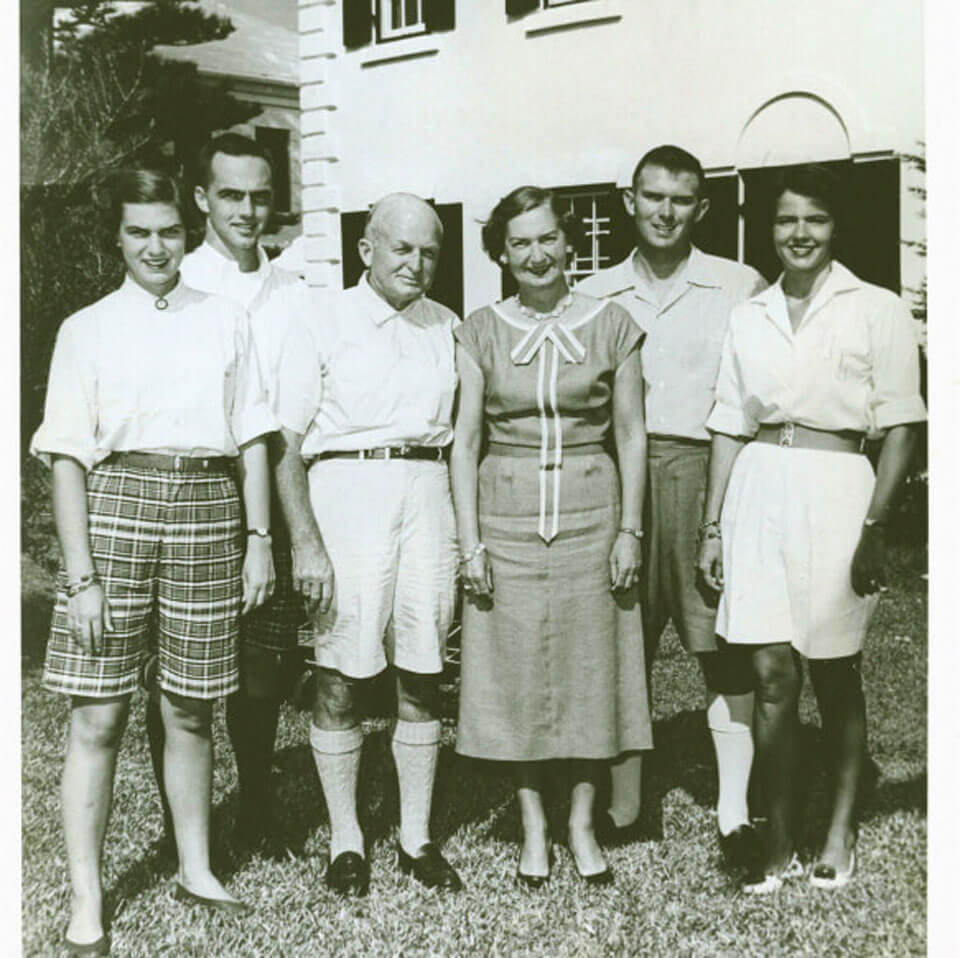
<point>69,426</point>
<point>300,376</point>
<point>730,414</point>
<point>895,395</point>
<point>251,415</point>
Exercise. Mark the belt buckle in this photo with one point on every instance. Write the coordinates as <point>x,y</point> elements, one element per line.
<point>403,450</point>
<point>786,434</point>
<point>178,463</point>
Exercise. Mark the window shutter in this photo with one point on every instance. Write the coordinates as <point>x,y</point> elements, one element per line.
<point>357,23</point>
<point>520,8</point>
<point>439,15</point>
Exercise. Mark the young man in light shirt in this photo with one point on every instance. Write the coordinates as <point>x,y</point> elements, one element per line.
<point>681,297</point>
<point>235,193</point>
<point>366,392</point>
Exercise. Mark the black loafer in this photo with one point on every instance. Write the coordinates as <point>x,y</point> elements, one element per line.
<point>612,835</point>
<point>228,907</point>
<point>429,868</point>
<point>348,874</point>
<point>741,847</point>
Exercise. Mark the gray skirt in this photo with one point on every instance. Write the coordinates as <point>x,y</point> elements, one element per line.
<point>553,666</point>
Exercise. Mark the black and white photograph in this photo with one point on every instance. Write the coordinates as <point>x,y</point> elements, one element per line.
<point>475,489</point>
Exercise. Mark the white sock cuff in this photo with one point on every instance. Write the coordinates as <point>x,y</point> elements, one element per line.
<point>731,713</point>
<point>336,741</point>
<point>417,733</point>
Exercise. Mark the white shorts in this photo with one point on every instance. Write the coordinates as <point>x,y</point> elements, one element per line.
<point>389,529</point>
<point>791,522</point>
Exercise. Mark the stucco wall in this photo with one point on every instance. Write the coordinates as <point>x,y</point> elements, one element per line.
<point>466,115</point>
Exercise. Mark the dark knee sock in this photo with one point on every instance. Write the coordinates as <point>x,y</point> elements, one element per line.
<point>252,725</point>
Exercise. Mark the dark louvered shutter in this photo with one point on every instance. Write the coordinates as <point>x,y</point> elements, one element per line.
<point>357,23</point>
<point>519,8</point>
<point>439,15</point>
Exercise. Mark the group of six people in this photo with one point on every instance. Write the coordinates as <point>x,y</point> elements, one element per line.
<point>672,440</point>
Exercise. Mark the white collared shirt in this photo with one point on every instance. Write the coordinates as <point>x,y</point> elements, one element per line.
<point>853,362</point>
<point>125,375</point>
<point>684,334</point>
<point>271,295</point>
<point>356,374</point>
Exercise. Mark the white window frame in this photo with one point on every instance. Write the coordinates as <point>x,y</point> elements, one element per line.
<point>594,227</point>
<point>385,29</point>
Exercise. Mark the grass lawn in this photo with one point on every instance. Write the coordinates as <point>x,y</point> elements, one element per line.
<point>671,896</point>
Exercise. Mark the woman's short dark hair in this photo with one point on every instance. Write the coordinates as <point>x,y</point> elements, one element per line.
<point>814,181</point>
<point>522,200</point>
<point>141,185</point>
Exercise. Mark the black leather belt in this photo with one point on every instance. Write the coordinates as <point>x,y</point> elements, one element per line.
<point>431,453</point>
<point>164,463</point>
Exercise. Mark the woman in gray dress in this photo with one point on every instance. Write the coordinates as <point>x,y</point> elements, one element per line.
<point>552,656</point>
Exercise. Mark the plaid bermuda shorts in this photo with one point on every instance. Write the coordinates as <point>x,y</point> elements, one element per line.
<point>168,550</point>
<point>275,624</point>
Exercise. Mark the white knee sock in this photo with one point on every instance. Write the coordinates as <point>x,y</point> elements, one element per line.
<point>730,719</point>
<point>415,748</point>
<point>337,757</point>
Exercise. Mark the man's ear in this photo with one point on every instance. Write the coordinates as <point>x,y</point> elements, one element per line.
<point>703,207</point>
<point>365,249</point>
<point>200,198</point>
<point>629,201</point>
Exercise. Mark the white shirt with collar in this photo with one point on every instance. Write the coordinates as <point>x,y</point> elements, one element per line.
<point>684,333</point>
<point>271,295</point>
<point>126,375</point>
<point>852,363</point>
<point>356,373</point>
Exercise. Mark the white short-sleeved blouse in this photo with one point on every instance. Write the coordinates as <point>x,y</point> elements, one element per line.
<point>852,364</point>
<point>127,375</point>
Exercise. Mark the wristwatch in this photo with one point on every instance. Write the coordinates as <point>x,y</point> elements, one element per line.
<point>262,533</point>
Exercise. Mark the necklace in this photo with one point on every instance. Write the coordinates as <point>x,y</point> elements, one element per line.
<point>160,303</point>
<point>557,310</point>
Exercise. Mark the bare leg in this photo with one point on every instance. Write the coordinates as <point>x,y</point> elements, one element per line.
<point>535,852</point>
<point>96,728</point>
<point>188,775</point>
<point>583,843</point>
<point>843,714</point>
<point>156,739</point>
<point>626,788</point>
<point>778,677</point>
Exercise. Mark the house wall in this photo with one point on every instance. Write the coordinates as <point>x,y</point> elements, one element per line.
<point>576,94</point>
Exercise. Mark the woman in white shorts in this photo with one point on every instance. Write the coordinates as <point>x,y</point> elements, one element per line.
<point>810,368</point>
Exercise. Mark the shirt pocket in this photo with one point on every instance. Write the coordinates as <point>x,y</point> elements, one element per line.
<point>848,354</point>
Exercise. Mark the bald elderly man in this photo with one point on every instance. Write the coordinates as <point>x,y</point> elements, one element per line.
<point>365,398</point>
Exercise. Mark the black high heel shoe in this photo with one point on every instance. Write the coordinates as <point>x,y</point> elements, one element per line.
<point>535,881</point>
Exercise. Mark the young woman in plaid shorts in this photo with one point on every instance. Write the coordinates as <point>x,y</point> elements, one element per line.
<point>154,395</point>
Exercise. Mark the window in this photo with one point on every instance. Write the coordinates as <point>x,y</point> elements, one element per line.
<point>595,211</point>
<point>520,8</point>
<point>277,143</point>
<point>399,18</point>
<point>381,21</point>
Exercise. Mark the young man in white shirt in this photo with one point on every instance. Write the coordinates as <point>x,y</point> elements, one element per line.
<point>366,391</point>
<point>235,192</point>
<point>681,298</point>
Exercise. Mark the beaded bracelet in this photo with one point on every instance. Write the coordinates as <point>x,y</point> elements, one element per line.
<point>708,530</point>
<point>82,584</point>
<point>636,533</point>
<point>477,550</point>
